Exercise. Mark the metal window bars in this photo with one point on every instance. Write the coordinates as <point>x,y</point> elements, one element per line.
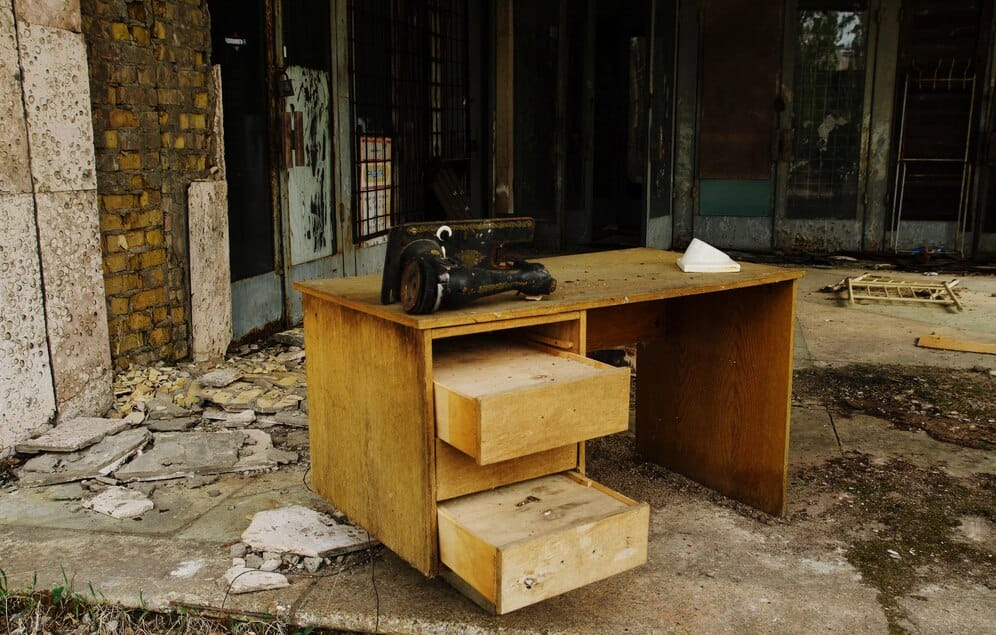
<point>409,104</point>
<point>945,78</point>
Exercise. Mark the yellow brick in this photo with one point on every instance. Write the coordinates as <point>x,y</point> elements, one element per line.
<point>114,263</point>
<point>139,321</point>
<point>111,222</point>
<point>135,238</point>
<point>151,258</point>
<point>198,121</point>
<point>166,140</point>
<point>163,118</point>
<point>140,35</point>
<point>111,138</point>
<point>154,237</point>
<point>113,285</point>
<point>151,218</point>
<point>120,118</point>
<point>118,201</point>
<point>159,314</point>
<point>136,181</point>
<point>128,343</point>
<point>146,299</point>
<point>119,31</point>
<point>159,336</point>
<point>177,314</point>
<point>130,161</point>
<point>201,100</point>
<point>184,121</point>
<point>112,95</point>
<point>160,31</point>
<point>119,306</point>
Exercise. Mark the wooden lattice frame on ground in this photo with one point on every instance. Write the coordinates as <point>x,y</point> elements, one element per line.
<point>873,287</point>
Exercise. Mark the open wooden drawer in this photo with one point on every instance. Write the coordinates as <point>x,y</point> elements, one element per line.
<point>500,398</point>
<point>522,543</point>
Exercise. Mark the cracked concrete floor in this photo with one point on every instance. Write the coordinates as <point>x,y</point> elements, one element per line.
<point>713,566</point>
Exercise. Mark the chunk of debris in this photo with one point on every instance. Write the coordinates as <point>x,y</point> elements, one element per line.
<point>200,481</point>
<point>292,337</point>
<point>273,401</point>
<point>158,410</point>
<point>72,435</point>
<point>119,502</point>
<point>220,377</point>
<point>293,418</point>
<point>230,419</point>
<point>290,356</point>
<point>98,460</point>
<point>176,454</point>
<point>302,531</point>
<point>240,579</point>
<point>171,425</point>
<point>259,453</point>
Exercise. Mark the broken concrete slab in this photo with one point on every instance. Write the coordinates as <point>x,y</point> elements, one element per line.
<point>73,435</point>
<point>177,454</point>
<point>68,492</point>
<point>220,377</point>
<point>241,579</point>
<point>120,502</point>
<point>274,401</point>
<point>305,532</point>
<point>172,425</point>
<point>293,418</point>
<point>157,410</point>
<point>98,460</point>
<point>290,356</point>
<point>230,419</point>
<point>259,453</point>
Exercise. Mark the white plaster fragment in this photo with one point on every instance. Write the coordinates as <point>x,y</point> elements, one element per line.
<point>244,580</point>
<point>302,531</point>
<point>220,377</point>
<point>119,502</point>
<point>187,569</point>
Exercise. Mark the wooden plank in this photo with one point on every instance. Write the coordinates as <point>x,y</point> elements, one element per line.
<point>372,438</point>
<point>713,393</point>
<point>490,327</point>
<point>954,344</point>
<point>464,552</point>
<point>551,534</point>
<point>457,474</point>
<point>585,281</point>
<point>498,400</point>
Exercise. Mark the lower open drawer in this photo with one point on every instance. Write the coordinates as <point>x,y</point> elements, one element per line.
<point>525,542</point>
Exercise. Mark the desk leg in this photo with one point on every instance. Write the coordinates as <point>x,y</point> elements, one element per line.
<point>713,394</point>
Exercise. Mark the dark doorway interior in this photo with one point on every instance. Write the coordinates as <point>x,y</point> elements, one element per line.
<point>622,64</point>
<point>238,44</point>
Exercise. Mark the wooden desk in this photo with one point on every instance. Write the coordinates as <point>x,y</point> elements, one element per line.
<point>713,386</point>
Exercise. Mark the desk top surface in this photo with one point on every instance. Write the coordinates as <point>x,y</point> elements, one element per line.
<point>584,281</point>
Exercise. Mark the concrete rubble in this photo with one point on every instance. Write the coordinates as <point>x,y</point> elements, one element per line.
<point>98,460</point>
<point>72,435</point>
<point>241,579</point>
<point>120,502</point>
<point>303,532</point>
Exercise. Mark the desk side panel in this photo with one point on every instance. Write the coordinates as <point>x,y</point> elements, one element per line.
<point>370,411</point>
<point>713,393</point>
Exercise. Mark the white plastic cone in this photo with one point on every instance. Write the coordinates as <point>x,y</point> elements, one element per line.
<point>701,257</point>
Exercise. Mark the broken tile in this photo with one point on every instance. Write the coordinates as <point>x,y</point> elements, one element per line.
<point>299,530</point>
<point>273,401</point>
<point>172,425</point>
<point>73,435</point>
<point>240,579</point>
<point>293,418</point>
<point>176,454</point>
<point>100,459</point>
<point>119,502</point>
<point>230,419</point>
<point>290,356</point>
<point>157,410</point>
<point>220,377</point>
<point>68,492</point>
<point>259,453</point>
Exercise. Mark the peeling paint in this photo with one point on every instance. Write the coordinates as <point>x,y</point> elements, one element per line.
<point>309,188</point>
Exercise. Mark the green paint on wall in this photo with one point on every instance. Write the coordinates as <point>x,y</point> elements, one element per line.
<point>729,197</point>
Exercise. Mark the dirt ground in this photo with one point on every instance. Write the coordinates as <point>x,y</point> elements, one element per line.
<point>902,526</point>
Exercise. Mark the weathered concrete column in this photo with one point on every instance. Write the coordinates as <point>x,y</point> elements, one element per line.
<point>54,202</point>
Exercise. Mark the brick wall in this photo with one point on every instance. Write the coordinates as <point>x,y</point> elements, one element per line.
<point>150,87</point>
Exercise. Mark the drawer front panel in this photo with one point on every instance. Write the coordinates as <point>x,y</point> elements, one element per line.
<point>498,400</point>
<point>457,474</point>
<point>526,542</point>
